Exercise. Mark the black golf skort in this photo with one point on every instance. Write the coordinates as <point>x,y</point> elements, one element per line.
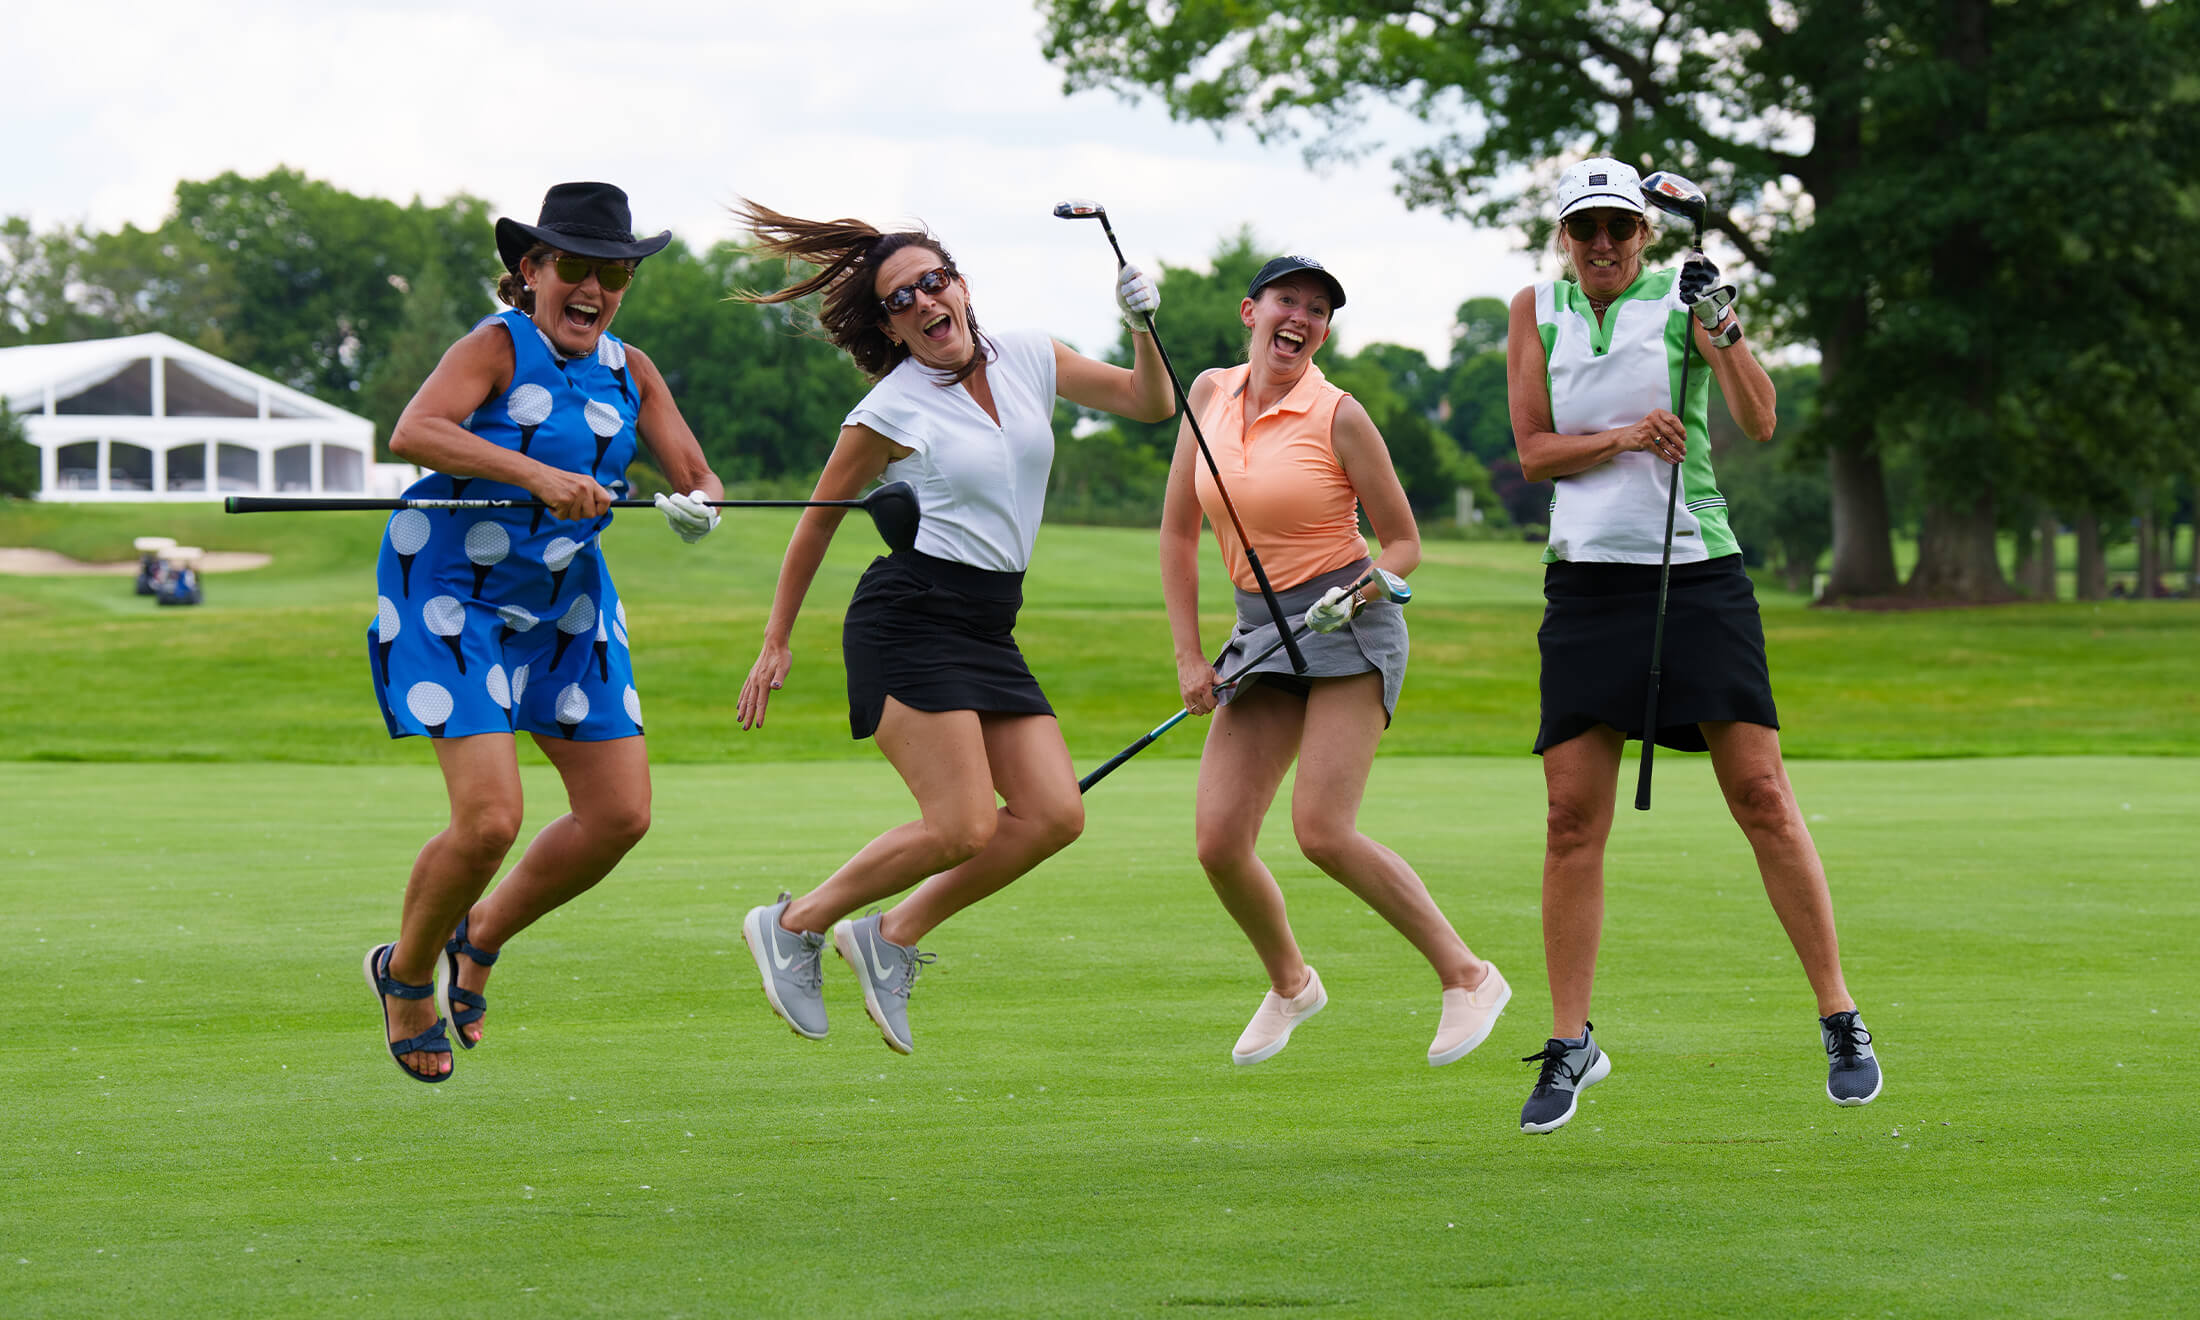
<point>935,635</point>
<point>1595,641</point>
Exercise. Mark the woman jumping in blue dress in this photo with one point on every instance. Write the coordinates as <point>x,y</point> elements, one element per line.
<point>494,622</point>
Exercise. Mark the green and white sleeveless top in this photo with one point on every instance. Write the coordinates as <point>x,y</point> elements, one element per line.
<point>1602,377</point>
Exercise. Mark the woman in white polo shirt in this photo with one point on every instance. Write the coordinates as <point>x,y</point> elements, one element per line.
<point>1592,362</point>
<point>934,674</point>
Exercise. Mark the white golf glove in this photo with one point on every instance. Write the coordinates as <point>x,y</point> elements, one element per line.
<point>688,514</point>
<point>1701,291</point>
<point>1136,296</point>
<point>1334,610</point>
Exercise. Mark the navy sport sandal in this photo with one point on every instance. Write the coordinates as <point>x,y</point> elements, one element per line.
<point>387,987</point>
<point>463,1007</point>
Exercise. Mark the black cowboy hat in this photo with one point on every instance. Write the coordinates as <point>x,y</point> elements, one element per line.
<point>585,219</point>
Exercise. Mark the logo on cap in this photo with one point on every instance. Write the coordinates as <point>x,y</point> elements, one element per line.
<point>1596,180</point>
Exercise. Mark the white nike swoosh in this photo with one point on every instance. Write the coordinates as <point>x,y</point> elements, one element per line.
<point>777,961</point>
<point>882,970</point>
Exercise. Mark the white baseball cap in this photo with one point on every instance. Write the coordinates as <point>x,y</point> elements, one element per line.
<point>1599,181</point>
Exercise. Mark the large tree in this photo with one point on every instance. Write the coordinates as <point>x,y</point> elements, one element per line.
<point>1849,148</point>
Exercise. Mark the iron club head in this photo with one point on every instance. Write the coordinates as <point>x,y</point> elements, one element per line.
<point>1080,208</point>
<point>1395,589</point>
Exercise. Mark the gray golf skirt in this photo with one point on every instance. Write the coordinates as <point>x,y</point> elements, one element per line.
<point>935,635</point>
<point>1595,640</point>
<point>1373,642</point>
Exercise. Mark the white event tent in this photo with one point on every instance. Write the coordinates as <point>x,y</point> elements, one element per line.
<point>149,417</point>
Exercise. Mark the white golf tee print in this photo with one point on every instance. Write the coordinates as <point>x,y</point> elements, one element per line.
<point>408,537</point>
<point>446,618</point>
<point>431,704</point>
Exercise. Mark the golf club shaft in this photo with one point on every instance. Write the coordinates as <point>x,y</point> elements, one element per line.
<point>1665,568</point>
<point>303,504</point>
<point>1184,405</point>
<point>1107,767</point>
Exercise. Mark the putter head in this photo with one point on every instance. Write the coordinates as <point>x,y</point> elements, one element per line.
<point>893,510</point>
<point>1080,208</point>
<point>1395,589</point>
<point>1674,195</point>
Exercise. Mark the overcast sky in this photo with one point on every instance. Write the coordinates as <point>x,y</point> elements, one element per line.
<point>823,107</point>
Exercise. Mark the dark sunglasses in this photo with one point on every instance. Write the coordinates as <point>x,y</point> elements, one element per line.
<point>934,282</point>
<point>609,274</point>
<point>1583,228</point>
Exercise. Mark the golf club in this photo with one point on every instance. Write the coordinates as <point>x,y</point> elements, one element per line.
<point>1677,196</point>
<point>893,507</point>
<point>1395,591</point>
<point>1078,209</point>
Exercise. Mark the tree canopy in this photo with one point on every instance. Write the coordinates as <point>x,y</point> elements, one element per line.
<point>1968,207</point>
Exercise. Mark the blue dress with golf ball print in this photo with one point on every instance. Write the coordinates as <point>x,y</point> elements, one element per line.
<point>504,620</point>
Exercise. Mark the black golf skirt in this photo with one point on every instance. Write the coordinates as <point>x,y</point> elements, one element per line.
<point>935,635</point>
<point>1595,640</point>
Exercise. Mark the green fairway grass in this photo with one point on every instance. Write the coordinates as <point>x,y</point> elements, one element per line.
<point>201,1120</point>
<point>273,666</point>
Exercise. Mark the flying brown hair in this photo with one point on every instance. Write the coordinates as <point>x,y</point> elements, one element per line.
<point>847,254</point>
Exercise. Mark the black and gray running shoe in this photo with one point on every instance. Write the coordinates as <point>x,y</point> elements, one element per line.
<point>1852,1071</point>
<point>1567,1066</point>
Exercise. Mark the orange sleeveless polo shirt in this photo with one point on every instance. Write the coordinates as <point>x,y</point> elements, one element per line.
<point>1282,473</point>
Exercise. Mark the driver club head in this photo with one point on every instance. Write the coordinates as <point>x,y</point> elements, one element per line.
<point>893,510</point>
<point>1080,208</point>
<point>1674,195</point>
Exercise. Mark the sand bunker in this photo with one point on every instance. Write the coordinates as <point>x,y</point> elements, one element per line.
<point>17,562</point>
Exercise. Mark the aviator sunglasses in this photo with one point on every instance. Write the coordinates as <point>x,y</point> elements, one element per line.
<point>609,274</point>
<point>1583,228</point>
<point>934,282</point>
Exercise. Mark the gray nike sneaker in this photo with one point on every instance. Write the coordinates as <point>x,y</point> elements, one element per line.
<point>1569,1063</point>
<point>792,964</point>
<point>1852,1071</point>
<point>885,970</point>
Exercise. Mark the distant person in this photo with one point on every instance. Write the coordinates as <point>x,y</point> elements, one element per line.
<point>934,675</point>
<point>494,621</point>
<point>1300,459</point>
<point>1594,411</point>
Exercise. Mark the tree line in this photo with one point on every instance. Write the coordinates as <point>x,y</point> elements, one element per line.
<point>1977,212</point>
<point>354,299</point>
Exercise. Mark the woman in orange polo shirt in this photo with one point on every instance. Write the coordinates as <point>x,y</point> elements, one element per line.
<point>1300,458</point>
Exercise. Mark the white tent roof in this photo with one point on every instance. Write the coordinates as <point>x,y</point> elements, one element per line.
<point>29,372</point>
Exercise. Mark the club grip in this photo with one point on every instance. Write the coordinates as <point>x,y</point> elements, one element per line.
<point>1107,767</point>
<point>1649,746</point>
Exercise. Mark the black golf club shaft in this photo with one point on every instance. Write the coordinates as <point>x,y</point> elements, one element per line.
<point>1184,404</point>
<point>1665,565</point>
<point>307,504</point>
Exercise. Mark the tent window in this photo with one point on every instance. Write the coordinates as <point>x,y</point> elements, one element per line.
<point>76,467</point>
<point>187,467</point>
<point>287,412</point>
<point>129,467</point>
<point>127,393</point>
<point>238,468</point>
<point>342,469</point>
<point>194,392</point>
<point>294,467</point>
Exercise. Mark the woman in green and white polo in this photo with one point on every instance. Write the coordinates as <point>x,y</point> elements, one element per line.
<point>1593,366</point>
